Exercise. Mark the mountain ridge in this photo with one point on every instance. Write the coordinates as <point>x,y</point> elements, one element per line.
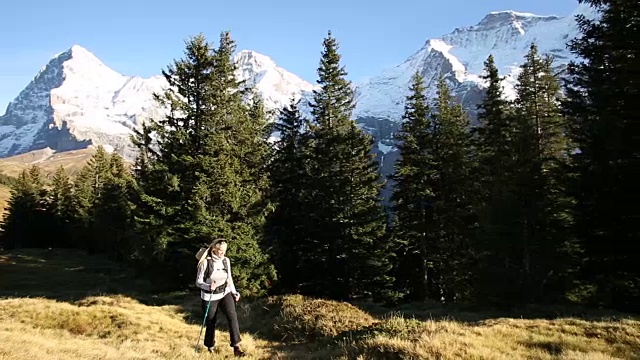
<point>459,56</point>
<point>76,100</point>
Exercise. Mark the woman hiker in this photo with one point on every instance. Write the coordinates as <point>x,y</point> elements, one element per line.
<point>216,286</point>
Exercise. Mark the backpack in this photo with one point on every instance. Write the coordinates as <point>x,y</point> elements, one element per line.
<point>209,270</point>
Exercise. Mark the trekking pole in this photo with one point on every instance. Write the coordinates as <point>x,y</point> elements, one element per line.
<point>195,349</point>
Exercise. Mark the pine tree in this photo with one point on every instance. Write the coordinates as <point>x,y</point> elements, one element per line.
<point>542,155</point>
<point>497,208</point>
<point>26,221</point>
<point>412,194</point>
<point>495,136</point>
<point>288,176</point>
<point>168,212</point>
<point>87,188</point>
<point>201,172</point>
<point>452,209</point>
<point>112,223</point>
<point>602,109</point>
<point>347,257</point>
<point>150,179</point>
<point>60,206</point>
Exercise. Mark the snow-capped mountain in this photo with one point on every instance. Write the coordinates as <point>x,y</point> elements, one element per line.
<point>275,84</point>
<point>76,101</point>
<point>459,56</point>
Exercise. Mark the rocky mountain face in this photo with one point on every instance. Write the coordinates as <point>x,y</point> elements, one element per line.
<point>76,100</point>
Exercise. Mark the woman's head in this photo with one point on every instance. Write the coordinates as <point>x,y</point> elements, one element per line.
<point>218,247</point>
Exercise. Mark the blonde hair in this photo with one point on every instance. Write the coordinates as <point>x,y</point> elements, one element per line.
<point>215,243</point>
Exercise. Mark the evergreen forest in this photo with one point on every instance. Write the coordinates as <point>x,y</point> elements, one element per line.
<point>533,203</point>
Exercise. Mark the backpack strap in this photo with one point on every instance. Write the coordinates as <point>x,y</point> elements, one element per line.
<point>208,270</point>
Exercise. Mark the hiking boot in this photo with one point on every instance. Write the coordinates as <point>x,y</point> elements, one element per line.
<point>238,352</point>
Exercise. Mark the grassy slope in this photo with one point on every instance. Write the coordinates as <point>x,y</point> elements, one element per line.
<point>49,161</point>
<point>61,304</point>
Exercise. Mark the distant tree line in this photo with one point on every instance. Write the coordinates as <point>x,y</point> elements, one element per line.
<point>534,205</point>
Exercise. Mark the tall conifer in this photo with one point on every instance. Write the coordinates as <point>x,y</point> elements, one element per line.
<point>201,170</point>
<point>349,257</point>
<point>26,219</point>
<point>287,223</point>
<point>414,171</point>
<point>497,207</point>
<point>452,208</point>
<point>60,206</point>
<point>602,109</point>
<point>544,205</point>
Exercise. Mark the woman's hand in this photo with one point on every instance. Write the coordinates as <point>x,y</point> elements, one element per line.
<point>236,296</point>
<point>213,286</point>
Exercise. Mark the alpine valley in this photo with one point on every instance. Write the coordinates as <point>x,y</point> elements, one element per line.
<point>77,102</point>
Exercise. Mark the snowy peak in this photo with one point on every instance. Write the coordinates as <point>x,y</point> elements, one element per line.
<point>247,59</point>
<point>81,55</point>
<point>266,74</point>
<point>511,19</point>
<point>79,52</point>
<point>276,85</point>
<point>76,100</point>
<point>74,66</point>
<point>79,64</point>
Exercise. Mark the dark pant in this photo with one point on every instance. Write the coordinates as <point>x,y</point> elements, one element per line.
<point>229,306</point>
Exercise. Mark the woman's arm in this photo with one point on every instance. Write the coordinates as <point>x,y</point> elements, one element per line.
<point>230,281</point>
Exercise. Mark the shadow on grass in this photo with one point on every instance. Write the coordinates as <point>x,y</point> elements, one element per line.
<point>473,314</point>
<point>70,275</point>
<point>65,275</point>
<point>553,348</point>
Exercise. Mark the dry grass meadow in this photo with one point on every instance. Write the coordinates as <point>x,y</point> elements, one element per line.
<point>48,160</point>
<point>63,304</point>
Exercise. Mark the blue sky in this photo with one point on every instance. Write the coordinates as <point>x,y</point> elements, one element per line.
<point>140,37</point>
